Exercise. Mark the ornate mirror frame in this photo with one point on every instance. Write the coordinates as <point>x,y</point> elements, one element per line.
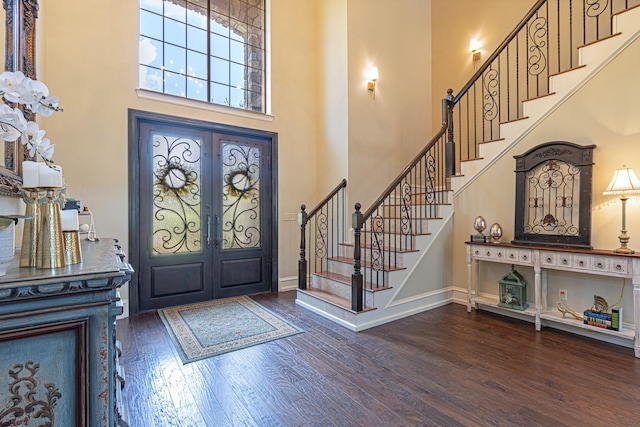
<point>553,195</point>
<point>20,54</point>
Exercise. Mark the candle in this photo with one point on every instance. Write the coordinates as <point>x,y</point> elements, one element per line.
<point>50,175</point>
<point>69,220</point>
<point>30,174</point>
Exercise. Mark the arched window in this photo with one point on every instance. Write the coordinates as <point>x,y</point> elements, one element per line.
<point>207,50</point>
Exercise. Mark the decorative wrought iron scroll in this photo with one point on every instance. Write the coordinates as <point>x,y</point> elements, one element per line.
<point>240,196</point>
<point>176,195</point>
<point>551,191</point>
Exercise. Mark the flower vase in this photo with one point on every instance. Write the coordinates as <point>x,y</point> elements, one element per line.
<point>7,247</point>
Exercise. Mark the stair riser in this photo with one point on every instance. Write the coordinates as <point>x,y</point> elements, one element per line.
<point>397,259</point>
<point>400,225</point>
<point>437,197</point>
<point>390,241</point>
<point>346,269</point>
<point>415,211</point>
<point>338,288</point>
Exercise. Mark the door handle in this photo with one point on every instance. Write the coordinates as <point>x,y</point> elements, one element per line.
<point>208,230</point>
<point>217,242</point>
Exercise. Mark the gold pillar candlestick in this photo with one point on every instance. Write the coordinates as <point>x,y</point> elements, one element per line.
<point>28,254</point>
<point>50,241</point>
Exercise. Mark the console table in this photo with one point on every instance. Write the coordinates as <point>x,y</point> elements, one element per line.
<point>542,259</point>
<point>58,353</point>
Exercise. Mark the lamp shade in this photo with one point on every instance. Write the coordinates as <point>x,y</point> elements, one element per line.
<point>372,73</point>
<point>624,181</point>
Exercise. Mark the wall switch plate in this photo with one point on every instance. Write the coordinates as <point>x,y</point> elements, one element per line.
<point>290,217</point>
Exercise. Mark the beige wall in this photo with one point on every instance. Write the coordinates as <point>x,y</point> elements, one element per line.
<point>385,133</point>
<point>332,150</point>
<point>89,59</point>
<point>611,124</point>
<point>455,23</point>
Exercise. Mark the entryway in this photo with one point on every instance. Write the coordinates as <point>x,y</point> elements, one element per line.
<point>202,210</point>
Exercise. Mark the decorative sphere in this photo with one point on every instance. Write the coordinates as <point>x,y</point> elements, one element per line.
<point>495,232</point>
<point>83,228</point>
<point>479,224</point>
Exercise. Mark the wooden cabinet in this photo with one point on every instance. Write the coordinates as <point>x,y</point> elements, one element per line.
<point>542,259</point>
<point>58,354</point>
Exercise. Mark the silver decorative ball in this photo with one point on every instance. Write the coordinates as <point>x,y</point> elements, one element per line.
<point>495,232</point>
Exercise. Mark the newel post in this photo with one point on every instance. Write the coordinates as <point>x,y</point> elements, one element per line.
<point>302,262</point>
<point>356,277</point>
<point>447,119</point>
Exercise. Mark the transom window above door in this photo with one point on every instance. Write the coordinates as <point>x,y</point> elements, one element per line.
<point>207,50</point>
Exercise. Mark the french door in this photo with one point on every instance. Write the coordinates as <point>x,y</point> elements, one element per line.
<point>204,227</point>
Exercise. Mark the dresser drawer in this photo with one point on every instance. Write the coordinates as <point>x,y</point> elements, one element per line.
<point>547,258</point>
<point>556,259</point>
<point>582,262</point>
<point>619,265</point>
<point>601,264</point>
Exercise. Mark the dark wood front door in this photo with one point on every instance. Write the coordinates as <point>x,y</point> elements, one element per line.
<point>204,223</point>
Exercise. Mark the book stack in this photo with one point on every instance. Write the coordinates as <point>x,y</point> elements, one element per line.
<point>611,320</point>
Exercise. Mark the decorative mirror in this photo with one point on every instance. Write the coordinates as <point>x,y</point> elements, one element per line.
<point>553,195</point>
<point>19,49</point>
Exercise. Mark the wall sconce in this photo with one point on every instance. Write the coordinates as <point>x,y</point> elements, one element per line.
<point>623,183</point>
<point>474,47</point>
<point>372,76</point>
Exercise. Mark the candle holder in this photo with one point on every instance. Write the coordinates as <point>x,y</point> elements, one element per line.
<point>72,253</point>
<point>50,241</point>
<point>28,254</point>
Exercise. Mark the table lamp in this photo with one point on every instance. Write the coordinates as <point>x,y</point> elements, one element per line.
<point>624,182</point>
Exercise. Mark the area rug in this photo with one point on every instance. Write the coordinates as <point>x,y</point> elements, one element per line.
<point>214,327</point>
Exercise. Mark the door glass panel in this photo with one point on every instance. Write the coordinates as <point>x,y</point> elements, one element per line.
<point>240,196</point>
<point>176,195</point>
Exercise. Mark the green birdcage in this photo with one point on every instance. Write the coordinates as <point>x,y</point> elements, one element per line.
<point>513,291</point>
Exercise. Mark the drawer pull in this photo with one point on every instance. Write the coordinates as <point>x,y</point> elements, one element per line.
<point>511,256</point>
<point>565,262</point>
<point>488,253</point>
<point>477,252</point>
<point>581,263</point>
<point>599,265</point>
<point>618,267</point>
<point>499,254</point>
<point>549,260</point>
<point>524,257</point>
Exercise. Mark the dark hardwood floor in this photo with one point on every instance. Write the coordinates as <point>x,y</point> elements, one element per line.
<point>444,367</point>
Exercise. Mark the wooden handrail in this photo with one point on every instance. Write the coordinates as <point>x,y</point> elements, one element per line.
<point>340,186</point>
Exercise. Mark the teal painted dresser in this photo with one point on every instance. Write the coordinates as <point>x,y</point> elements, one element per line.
<point>58,352</point>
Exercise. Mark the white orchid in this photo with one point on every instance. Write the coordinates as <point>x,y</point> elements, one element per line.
<point>18,89</point>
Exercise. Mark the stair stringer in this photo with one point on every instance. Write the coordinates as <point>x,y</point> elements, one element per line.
<point>408,295</point>
<point>594,57</point>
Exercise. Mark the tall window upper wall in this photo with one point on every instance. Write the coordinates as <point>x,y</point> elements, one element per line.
<point>207,50</point>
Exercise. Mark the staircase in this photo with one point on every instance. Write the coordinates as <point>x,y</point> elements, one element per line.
<point>392,266</point>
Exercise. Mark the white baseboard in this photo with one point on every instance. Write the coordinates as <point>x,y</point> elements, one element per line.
<point>287,283</point>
